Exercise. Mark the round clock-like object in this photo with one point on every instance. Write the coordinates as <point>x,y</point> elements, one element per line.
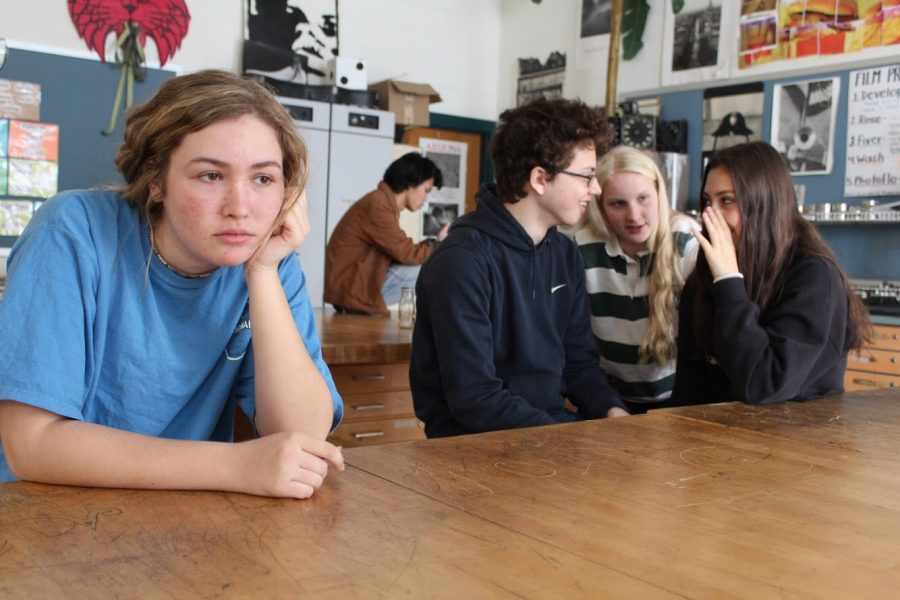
<point>3,52</point>
<point>639,131</point>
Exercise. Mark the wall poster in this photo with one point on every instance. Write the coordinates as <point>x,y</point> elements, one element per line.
<point>541,80</point>
<point>694,46</point>
<point>447,203</point>
<point>290,40</point>
<point>594,25</point>
<point>803,118</point>
<point>731,115</point>
<point>786,29</point>
<point>873,132</point>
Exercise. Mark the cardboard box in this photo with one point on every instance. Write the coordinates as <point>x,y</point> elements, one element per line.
<point>37,141</point>
<point>20,100</point>
<point>408,101</point>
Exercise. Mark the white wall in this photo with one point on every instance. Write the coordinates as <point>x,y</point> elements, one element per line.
<point>532,30</point>
<point>451,44</point>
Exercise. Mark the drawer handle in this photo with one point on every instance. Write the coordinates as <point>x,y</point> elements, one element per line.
<point>375,377</point>
<point>363,435</point>
<point>868,382</point>
<point>373,406</point>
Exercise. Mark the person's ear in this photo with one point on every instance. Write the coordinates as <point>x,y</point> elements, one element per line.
<point>154,192</point>
<point>538,179</point>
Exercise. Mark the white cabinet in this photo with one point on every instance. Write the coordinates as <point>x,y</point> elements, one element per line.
<point>349,149</point>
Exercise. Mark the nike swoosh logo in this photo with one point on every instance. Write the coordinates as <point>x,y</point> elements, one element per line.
<point>556,287</point>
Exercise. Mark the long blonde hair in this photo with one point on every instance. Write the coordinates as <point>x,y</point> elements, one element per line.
<point>666,280</point>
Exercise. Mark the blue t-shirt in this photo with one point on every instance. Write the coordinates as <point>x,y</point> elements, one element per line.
<point>93,329</point>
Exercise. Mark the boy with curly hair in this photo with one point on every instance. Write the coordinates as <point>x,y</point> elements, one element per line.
<point>503,336</point>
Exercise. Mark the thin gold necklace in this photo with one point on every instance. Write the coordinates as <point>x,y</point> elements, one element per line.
<point>170,267</point>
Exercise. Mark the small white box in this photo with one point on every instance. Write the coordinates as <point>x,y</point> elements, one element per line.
<point>348,73</point>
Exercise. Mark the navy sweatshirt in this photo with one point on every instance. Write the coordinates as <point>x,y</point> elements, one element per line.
<point>796,350</point>
<point>503,332</point>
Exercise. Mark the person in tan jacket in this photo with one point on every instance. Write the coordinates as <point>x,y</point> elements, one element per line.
<point>369,258</point>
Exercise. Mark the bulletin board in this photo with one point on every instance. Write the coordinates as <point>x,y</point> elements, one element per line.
<point>77,94</point>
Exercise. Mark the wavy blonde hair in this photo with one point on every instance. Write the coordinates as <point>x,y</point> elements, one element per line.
<point>666,280</point>
<point>187,104</point>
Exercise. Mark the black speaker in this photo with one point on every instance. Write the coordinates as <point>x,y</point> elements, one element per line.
<point>671,136</point>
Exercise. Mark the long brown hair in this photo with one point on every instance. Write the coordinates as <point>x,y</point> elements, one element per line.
<point>774,235</point>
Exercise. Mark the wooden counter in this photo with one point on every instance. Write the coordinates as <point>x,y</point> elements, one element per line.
<point>356,339</point>
<point>795,500</point>
<point>369,360</point>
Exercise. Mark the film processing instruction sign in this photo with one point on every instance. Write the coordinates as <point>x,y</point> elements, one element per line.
<point>873,133</point>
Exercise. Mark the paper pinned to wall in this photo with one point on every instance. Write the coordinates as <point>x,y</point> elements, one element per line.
<point>447,203</point>
<point>873,132</point>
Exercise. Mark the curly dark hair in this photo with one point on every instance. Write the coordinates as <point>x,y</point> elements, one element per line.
<point>543,133</point>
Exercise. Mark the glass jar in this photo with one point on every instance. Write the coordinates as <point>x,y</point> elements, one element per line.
<point>407,307</point>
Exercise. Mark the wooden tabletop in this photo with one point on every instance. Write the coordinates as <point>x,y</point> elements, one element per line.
<point>793,500</point>
<point>353,339</point>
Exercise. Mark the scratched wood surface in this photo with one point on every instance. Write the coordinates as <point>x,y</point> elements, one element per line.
<point>354,339</point>
<point>701,507</point>
<point>360,537</point>
<point>869,419</point>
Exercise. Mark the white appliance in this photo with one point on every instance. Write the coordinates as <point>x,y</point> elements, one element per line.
<point>312,120</point>
<point>361,148</point>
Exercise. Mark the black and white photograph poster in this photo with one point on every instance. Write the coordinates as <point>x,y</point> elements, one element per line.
<point>541,79</point>
<point>290,40</point>
<point>592,40</point>
<point>873,132</point>
<point>695,45</point>
<point>803,119</point>
<point>445,204</point>
<point>732,115</point>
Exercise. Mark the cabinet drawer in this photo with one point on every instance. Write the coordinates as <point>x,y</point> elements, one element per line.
<point>885,337</point>
<point>878,361</point>
<point>377,406</point>
<point>377,431</point>
<point>860,380</point>
<point>357,379</point>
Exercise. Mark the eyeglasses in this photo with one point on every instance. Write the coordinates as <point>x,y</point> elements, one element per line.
<point>587,178</point>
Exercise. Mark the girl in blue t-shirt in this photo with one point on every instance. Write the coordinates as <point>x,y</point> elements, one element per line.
<point>135,320</point>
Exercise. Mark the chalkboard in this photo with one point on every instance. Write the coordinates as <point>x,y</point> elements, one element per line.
<point>78,94</point>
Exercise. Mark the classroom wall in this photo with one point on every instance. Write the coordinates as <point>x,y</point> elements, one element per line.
<point>449,44</point>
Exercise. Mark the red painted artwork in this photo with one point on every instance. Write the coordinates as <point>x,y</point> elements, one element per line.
<point>165,21</point>
<point>132,22</point>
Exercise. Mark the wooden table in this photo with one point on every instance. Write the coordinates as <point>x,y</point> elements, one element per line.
<point>788,501</point>
<point>352,339</point>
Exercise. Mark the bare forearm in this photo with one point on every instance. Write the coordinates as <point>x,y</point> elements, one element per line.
<point>42,446</point>
<point>291,394</point>
<point>56,450</point>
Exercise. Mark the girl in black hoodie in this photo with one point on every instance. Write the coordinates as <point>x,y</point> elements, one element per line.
<point>768,314</point>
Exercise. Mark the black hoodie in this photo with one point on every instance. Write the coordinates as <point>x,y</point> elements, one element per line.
<point>503,330</point>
